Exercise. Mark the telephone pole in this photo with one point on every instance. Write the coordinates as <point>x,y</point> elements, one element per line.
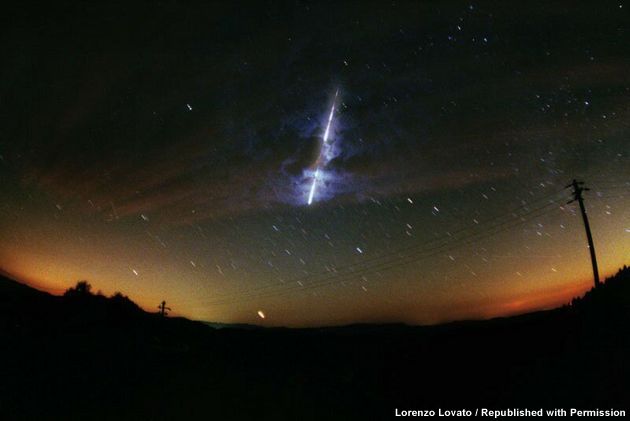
<point>578,188</point>
<point>163,309</point>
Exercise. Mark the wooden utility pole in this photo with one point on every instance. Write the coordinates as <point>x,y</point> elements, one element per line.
<point>578,188</point>
<point>163,309</point>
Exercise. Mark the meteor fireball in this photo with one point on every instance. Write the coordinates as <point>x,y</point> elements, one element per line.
<point>321,159</point>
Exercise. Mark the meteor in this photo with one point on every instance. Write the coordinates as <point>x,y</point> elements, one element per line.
<point>319,159</point>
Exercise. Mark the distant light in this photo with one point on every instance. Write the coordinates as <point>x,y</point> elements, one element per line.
<point>189,107</point>
<point>409,200</point>
<point>261,314</point>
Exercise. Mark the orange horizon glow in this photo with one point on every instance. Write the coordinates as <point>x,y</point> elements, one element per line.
<point>524,269</point>
<point>537,300</point>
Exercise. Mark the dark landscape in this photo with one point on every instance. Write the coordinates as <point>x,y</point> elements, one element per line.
<point>84,356</point>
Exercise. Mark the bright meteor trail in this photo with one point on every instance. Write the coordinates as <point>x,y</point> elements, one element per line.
<point>319,159</point>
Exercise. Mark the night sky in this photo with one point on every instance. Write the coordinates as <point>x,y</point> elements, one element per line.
<point>167,152</point>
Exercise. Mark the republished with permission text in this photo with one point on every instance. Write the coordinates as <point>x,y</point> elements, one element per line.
<point>511,412</point>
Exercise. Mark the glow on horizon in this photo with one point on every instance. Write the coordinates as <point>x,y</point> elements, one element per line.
<point>502,293</point>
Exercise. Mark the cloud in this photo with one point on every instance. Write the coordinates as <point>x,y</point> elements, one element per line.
<point>418,112</point>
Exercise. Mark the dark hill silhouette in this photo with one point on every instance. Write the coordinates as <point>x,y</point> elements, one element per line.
<point>87,356</point>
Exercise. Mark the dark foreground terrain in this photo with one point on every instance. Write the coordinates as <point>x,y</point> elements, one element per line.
<point>84,356</point>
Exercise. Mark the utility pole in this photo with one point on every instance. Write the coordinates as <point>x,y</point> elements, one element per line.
<point>163,309</point>
<point>578,188</point>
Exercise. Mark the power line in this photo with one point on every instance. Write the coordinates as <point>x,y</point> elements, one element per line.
<point>401,261</point>
<point>612,187</point>
<point>510,214</point>
<point>335,279</point>
<point>358,267</point>
<point>613,197</point>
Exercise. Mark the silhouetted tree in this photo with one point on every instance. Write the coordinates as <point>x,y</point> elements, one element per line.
<point>81,289</point>
<point>123,303</point>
